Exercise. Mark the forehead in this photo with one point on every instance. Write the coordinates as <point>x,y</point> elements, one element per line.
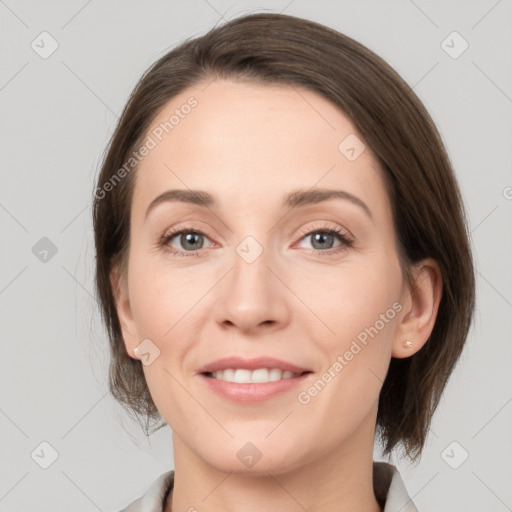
<point>247,141</point>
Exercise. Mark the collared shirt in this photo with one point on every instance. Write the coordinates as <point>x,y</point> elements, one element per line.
<point>388,487</point>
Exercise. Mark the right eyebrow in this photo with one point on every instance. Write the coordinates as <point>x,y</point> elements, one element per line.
<point>198,197</point>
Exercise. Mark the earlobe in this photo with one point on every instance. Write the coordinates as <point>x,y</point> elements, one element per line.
<point>423,298</point>
<point>124,313</point>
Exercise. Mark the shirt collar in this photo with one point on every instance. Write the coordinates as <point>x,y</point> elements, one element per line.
<point>388,487</point>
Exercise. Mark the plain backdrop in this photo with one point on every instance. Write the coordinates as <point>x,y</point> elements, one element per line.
<point>57,113</point>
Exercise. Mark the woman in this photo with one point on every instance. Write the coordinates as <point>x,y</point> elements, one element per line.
<point>283,266</point>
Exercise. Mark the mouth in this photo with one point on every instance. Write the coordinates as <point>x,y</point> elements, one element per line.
<point>252,380</point>
<point>257,376</point>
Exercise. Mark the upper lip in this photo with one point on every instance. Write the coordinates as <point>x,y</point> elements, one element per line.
<point>250,364</point>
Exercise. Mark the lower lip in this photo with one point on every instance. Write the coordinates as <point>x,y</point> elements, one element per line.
<point>252,392</point>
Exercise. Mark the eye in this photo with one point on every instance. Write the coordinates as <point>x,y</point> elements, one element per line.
<point>322,239</point>
<point>190,239</point>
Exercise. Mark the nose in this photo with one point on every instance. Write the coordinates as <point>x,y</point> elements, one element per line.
<point>253,297</point>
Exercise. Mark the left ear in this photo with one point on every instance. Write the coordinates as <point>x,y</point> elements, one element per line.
<point>421,303</point>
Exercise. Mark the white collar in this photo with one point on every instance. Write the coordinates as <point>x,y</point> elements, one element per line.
<point>388,486</point>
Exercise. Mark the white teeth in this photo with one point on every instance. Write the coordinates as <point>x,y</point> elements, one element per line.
<point>242,376</point>
<point>228,374</point>
<point>260,375</point>
<point>274,374</point>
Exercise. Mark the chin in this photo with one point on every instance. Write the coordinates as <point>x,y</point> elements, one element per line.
<point>255,459</point>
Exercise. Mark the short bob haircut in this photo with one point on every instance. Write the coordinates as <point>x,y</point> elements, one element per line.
<point>427,207</point>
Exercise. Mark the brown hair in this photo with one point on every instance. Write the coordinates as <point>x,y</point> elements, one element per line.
<point>428,211</point>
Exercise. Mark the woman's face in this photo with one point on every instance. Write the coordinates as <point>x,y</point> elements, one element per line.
<point>257,273</point>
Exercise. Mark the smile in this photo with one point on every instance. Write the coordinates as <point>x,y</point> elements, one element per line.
<point>259,375</point>
<point>253,380</point>
<point>253,386</point>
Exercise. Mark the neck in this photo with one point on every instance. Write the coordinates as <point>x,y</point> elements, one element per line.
<point>338,481</point>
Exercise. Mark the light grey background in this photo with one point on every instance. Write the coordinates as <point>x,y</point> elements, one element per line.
<point>56,117</point>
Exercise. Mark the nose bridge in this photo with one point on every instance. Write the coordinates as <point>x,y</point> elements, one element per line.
<point>252,294</point>
<point>251,279</point>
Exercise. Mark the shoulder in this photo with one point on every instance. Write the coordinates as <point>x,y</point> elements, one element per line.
<point>153,499</point>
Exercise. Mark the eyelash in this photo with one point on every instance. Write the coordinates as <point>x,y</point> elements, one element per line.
<point>346,242</point>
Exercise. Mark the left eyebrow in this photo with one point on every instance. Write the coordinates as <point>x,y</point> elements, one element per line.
<point>295,199</point>
<point>303,197</point>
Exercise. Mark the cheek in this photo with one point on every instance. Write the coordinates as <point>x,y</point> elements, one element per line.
<point>160,296</point>
<point>165,303</point>
<point>361,313</point>
<point>359,293</point>
<point>359,308</point>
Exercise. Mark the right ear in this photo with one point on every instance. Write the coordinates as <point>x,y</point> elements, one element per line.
<point>120,291</point>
